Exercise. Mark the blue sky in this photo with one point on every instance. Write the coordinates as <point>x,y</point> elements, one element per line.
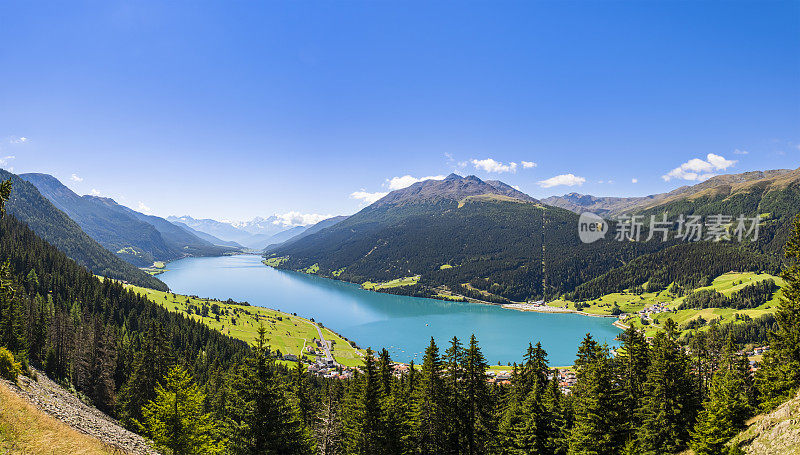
<point>236,109</point>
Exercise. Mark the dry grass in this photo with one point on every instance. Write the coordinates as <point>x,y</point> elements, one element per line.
<point>24,429</point>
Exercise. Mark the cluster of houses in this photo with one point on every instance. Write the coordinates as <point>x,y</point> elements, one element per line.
<point>756,351</point>
<point>649,312</point>
<point>329,369</point>
<point>566,378</point>
<point>499,377</point>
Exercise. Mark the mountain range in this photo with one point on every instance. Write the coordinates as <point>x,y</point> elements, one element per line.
<point>487,240</point>
<point>256,234</point>
<point>613,206</point>
<point>29,206</point>
<point>136,237</point>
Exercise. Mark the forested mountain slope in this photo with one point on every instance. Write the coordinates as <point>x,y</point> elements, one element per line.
<point>138,238</point>
<point>462,233</point>
<point>775,198</point>
<point>30,207</point>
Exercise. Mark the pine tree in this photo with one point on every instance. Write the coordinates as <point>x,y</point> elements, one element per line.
<point>302,393</point>
<point>453,361</point>
<point>430,418</point>
<point>328,428</point>
<point>151,364</point>
<point>779,376</point>
<point>633,363</point>
<point>264,420</point>
<point>12,316</point>
<point>587,352</point>
<point>557,423</point>
<point>175,419</point>
<point>598,406</point>
<point>364,425</point>
<point>669,406</point>
<point>12,325</point>
<point>479,426</point>
<point>727,406</point>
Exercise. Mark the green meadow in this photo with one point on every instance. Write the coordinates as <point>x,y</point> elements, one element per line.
<point>727,284</point>
<point>406,281</point>
<point>285,332</point>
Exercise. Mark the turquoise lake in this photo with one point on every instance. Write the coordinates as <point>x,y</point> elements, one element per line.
<point>404,325</point>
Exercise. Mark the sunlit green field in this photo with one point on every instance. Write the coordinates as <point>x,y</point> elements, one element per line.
<point>285,333</point>
<point>407,281</point>
<point>726,284</point>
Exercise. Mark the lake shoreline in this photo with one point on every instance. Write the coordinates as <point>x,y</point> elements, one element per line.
<point>379,319</point>
<point>516,306</point>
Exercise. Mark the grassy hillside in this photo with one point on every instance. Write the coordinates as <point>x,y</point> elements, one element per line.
<point>632,301</point>
<point>24,429</point>
<point>285,332</point>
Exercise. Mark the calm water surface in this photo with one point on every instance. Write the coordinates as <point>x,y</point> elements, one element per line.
<point>404,325</point>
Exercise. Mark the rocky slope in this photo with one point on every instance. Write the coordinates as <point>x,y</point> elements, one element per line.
<point>777,433</point>
<point>59,403</point>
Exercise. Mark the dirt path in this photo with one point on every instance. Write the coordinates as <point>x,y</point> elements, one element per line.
<point>59,403</point>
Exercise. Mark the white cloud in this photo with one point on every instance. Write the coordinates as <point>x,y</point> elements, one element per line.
<point>398,183</point>
<point>369,198</point>
<point>143,208</point>
<point>18,140</point>
<point>528,164</point>
<point>740,152</point>
<point>94,192</point>
<point>490,165</point>
<point>719,162</point>
<point>564,179</point>
<point>291,219</point>
<point>516,187</point>
<point>634,180</point>
<point>4,160</point>
<point>699,170</point>
<point>75,178</point>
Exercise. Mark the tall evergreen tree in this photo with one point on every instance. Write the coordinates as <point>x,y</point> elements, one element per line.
<point>328,428</point>
<point>479,427</point>
<point>669,406</point>
<point>727,406</point>
<point>632,364</point>
<point>779,376</point>
<point>364,424</point>
<point>150,366</point>
<point>430,417</point>
<point>264,421</point>
<point>598,406</point>
<point>175,419</point>
<point>453,362</point>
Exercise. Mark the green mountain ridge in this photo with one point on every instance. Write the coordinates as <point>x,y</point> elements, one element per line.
<point>495,248</point>
<point>29,206</point>
<point>135,237</point>
<point>491,234</point>
<point>776,197</point>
